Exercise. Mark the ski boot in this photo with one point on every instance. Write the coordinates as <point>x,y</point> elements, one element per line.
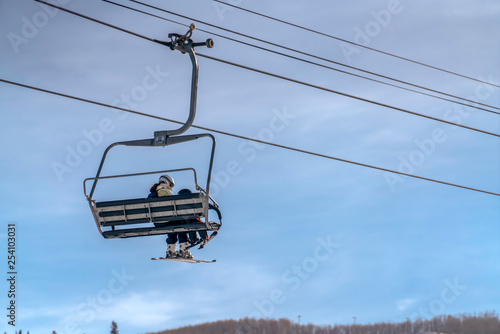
<point>171,252</point>
<point>183,252</point>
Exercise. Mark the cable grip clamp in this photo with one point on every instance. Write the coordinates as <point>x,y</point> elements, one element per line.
<point>182,42</point>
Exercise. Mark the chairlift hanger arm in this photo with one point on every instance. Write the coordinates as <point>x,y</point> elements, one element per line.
<point>184,44</point>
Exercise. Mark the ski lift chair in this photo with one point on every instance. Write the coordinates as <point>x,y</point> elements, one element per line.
<point>161,215</point>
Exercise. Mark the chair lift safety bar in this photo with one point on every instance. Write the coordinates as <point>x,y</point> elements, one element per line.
<point>161,215</point>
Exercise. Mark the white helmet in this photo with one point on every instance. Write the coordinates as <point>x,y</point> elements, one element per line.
<point>168,180</point>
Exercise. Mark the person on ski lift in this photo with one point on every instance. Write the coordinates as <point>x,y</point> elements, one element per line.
<point>161,189</point>
<point>193,239</point>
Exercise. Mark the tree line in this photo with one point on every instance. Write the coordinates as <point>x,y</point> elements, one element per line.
<point>466,323</point>
<point>114,329</point>
<point>482,323</point>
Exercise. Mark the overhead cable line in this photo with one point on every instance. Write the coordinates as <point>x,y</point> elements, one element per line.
<point>356,44</point>
<point>308,61</point>
<point>247,138</point>
<point>347,95</point>
<point>307,54</point>
<point>279,76</point>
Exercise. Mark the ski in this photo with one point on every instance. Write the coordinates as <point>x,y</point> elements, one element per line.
<point>182,260</point>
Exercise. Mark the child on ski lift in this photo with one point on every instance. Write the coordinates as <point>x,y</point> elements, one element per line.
<point>161,189</point>
<point>193,239</point>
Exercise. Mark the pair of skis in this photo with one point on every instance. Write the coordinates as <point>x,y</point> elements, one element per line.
<point>180,259</point>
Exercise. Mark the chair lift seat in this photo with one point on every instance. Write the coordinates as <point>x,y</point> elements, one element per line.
<point>160,214</point>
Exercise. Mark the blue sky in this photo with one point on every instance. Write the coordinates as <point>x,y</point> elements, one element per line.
<point>303,235</point>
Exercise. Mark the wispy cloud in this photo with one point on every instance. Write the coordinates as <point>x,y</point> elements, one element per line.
<point>139,310</point>
<point>404,304</point>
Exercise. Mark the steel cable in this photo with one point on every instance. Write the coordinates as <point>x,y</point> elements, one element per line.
<point>279,76</point>
<point>248,138</point>
<point>309,55</point>
<point>308,61</point>
<point>353,43</point>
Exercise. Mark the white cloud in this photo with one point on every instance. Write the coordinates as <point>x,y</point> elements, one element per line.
<point>139,310</point>
<point>404,304</point>
<point>135,309</point>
